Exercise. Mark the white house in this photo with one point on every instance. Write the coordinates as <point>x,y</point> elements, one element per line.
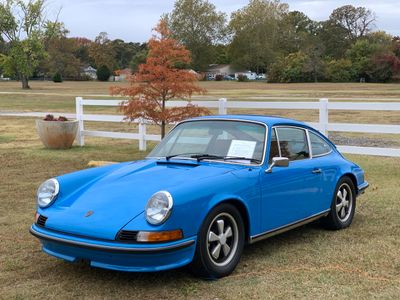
<point>90,72</point>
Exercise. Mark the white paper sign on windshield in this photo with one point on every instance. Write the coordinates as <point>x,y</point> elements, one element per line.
<point>242,148</point>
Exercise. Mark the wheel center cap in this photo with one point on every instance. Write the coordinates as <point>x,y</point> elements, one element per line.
<point>222,239</point>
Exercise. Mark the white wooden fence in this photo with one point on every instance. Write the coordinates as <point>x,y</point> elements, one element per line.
<point>323,105</point>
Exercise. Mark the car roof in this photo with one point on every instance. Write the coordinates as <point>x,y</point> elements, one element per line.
<point>268,120</point>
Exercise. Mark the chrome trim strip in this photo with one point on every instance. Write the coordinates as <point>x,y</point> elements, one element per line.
<point>277,139</point>
<point>226,119</point>
<point>116,249</point>
<point>269,233</point>
<point>309,143</point>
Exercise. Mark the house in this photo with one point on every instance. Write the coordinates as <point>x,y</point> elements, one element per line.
<point>90,72</point>
<point>122,75</point>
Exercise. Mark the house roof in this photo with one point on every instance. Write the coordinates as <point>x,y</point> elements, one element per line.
<point>125,71</point>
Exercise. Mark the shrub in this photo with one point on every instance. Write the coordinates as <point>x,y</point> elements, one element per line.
<point>49,118</point>
<point>103,73</point>
<point>242,78</point>
<point>52,118</point>
<point>57,78</point>
<point>219,77</point>
<point>340,71</point>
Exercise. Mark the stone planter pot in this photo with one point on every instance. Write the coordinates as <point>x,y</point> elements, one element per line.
<point>57,134</point>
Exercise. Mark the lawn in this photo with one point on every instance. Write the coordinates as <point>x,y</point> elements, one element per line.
<point>360,262</point>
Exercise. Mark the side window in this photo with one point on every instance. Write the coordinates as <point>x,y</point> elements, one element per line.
<point>318,145</point>
<point>293,143</point>
<point>274,149</point>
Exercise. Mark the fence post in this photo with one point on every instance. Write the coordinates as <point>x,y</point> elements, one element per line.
<point>222,106</point>
<point>323,116</point>
<point>142,135</point>
<point>79,117</point>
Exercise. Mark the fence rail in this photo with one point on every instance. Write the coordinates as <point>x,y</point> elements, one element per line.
<point>222,105</point>
<point>323,106</point>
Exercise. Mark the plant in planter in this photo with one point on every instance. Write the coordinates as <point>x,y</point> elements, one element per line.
<point>57,133</point>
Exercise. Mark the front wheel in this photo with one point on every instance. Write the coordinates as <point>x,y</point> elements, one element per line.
<point>343,205</point>
<point>220,243</point>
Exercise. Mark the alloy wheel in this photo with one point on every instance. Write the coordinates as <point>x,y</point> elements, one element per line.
<point>344,202</point>
<point>222,239</point>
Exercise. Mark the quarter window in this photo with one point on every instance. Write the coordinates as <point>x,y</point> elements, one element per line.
<point>293,143</point>
<point>318,145</point>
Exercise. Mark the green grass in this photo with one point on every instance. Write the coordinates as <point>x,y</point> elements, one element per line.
<point>361,262</point>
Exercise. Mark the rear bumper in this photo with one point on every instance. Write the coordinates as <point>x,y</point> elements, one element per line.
<point>114,255</point>
<point>362,187</point>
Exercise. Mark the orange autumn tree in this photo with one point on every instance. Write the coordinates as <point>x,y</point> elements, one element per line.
<point>160,79</point>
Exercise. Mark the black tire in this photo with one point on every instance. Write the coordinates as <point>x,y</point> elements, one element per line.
<point>204,264</point>
<point>341,216</point>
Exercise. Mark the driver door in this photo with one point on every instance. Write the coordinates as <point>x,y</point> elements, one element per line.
<point>289,194</point>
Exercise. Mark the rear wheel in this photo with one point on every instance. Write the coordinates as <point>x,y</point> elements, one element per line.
<point>343,205</point>
<point>220,243</point>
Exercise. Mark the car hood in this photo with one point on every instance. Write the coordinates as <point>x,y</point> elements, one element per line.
<point>101,206</point>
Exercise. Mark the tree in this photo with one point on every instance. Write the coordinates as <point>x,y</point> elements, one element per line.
<point>21,25</point>
<point>102,52</point>
<point>139,58</point>
<point>334,38</point>
<point>61,50</point>
<point>103,73</point>
<point>296,32</point>
<point>340,71</point>
<point>357,21</point>
<point>159,80</point>
<point>255,30</point>
<point>364,55</point>
<point>197,25</point>
<point>124,52</point>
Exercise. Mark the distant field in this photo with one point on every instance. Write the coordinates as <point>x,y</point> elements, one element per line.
<point>61,96</point>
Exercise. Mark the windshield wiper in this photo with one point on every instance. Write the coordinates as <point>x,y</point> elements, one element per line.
<point>181,154</point>
<point>200,157</point>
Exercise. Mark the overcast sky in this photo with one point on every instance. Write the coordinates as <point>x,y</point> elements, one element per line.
<point>132,20</point>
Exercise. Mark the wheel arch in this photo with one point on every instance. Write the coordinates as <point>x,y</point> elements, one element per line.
<point>243,210</point>
<point>353,179</point>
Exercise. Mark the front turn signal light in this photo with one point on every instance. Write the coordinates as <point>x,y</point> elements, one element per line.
<point>159,236</point>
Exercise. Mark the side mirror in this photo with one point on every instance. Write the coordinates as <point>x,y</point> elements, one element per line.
<point>278,162</point>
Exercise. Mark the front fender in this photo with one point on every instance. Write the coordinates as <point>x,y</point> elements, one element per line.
<point>194,201</point>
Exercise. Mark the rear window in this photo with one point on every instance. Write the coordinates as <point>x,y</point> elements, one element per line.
<point>318,145</point>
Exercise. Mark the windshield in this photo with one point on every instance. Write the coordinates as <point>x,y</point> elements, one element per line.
<point>214,139</point>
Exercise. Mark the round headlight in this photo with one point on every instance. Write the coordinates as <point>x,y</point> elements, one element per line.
<point>159,207</point>
<point>47,192</point>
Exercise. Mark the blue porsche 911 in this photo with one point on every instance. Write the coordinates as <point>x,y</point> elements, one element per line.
<point>211,186</point>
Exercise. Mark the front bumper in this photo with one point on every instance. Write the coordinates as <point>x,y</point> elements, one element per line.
<point>116,255</point>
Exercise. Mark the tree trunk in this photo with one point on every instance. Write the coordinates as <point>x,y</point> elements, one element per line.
<point>162,129</point>
<point>163,122</point>
<point>25,84</point>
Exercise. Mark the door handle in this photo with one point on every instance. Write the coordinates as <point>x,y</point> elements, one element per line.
<point>317,171</point>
